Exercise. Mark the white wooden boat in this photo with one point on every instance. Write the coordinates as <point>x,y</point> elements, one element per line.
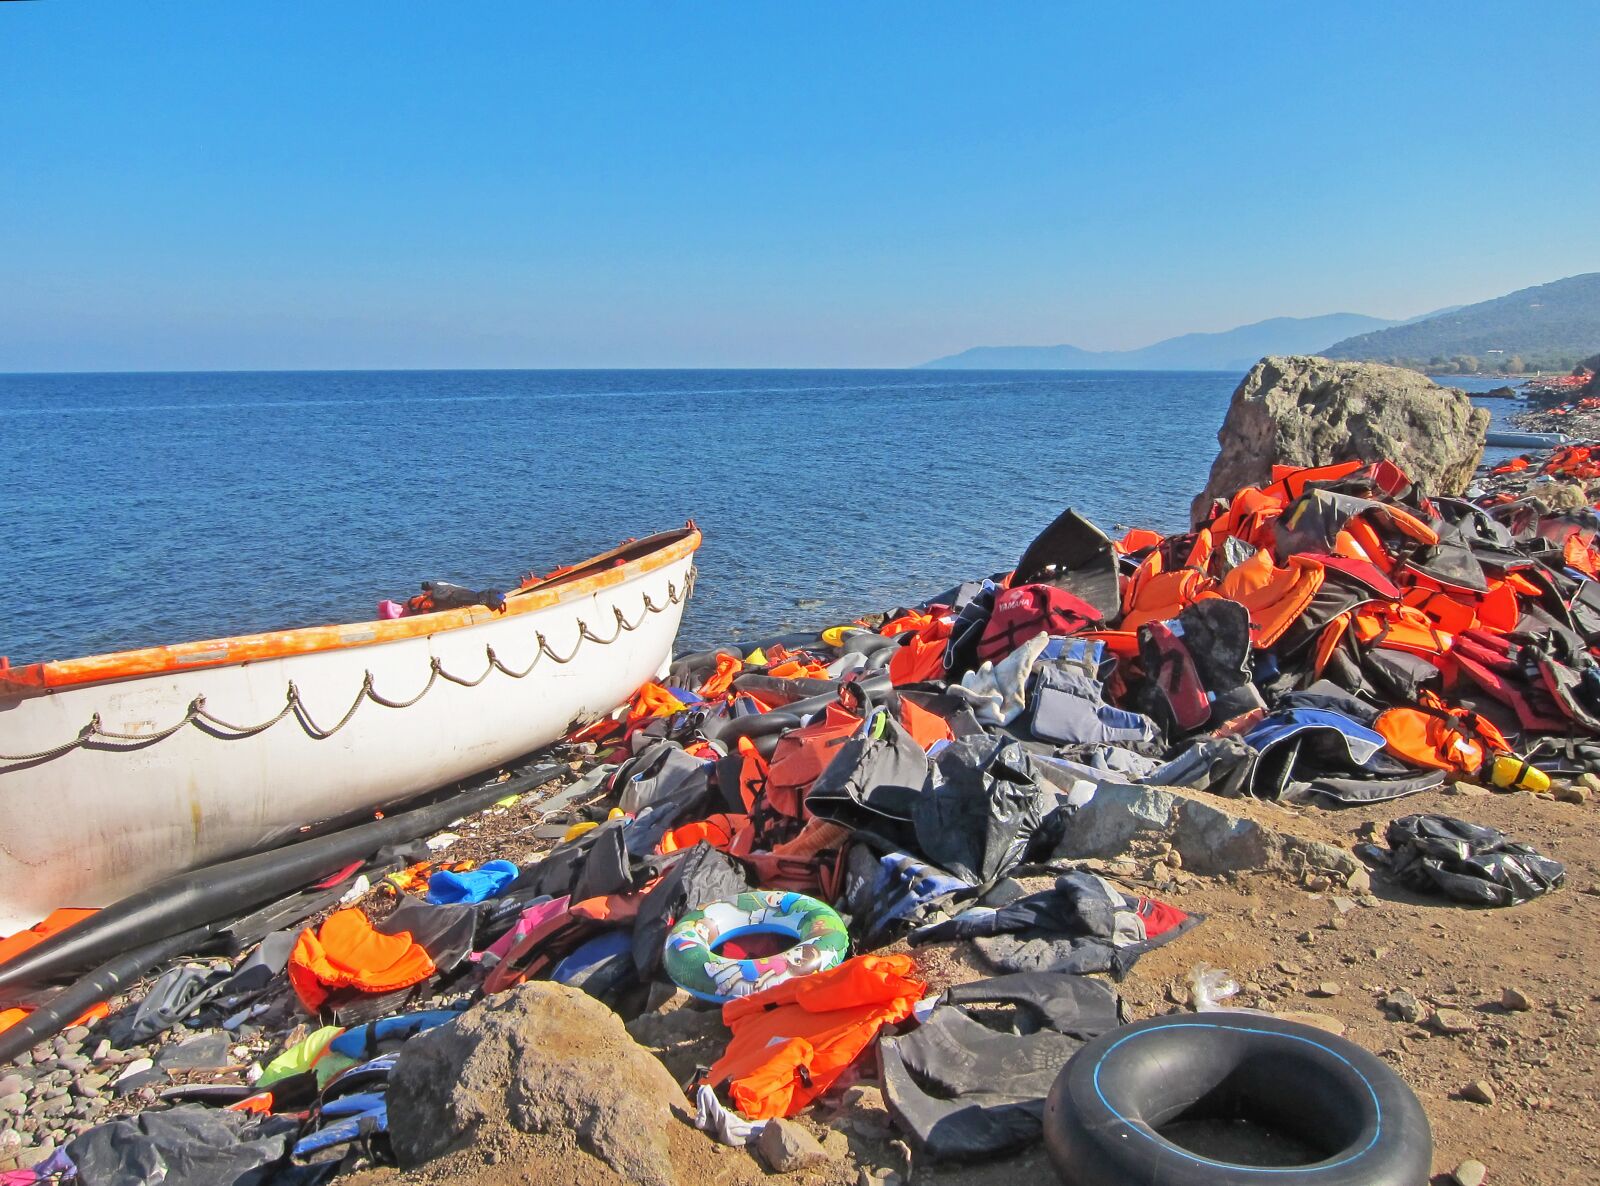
<point>118,770</point>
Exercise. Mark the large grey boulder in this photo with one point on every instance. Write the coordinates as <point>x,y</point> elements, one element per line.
<point>1301,410</point>
<point>541,1076</point>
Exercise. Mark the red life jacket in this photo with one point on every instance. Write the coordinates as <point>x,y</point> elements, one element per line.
<point>1027,610</point>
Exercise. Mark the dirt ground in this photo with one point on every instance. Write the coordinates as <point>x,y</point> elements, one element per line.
<point>1539,1063</point>
<point>1286,945</point>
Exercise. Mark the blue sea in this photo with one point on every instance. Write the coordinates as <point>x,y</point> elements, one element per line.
<point>154,508</point>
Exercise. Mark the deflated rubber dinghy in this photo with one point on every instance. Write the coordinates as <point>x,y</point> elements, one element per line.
<point>1233,1099</point>
<point>120,770</point>
<point>1075,555</point>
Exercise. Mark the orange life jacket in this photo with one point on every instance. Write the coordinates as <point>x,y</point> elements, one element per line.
<point>922,657</point>
<point>652,701</point>
<point>716,830</point>
<point>345,952</point>
<point>1579,555</point>
<point>720,680</point>
<point>1367,541</point>
<point>58,920</point>
<point>1498,608</point>
<point>1328,641</point>
<point>1275,597</point>
<point>1289,482</point>
<point>1449,613</point>
<point>15,944</point>
<point>926,728</point>
<point>797,669</point>
<point>1138,539</point>
<point>615,908</point>
<point>1401,628</point>
<point>792,1041</point>
<point>1434,734</point>
<point>913,622</point>
<point>1248,511</point>
<point>1157,596</point>
<point>1404,522</point>
<point>10,1017</point>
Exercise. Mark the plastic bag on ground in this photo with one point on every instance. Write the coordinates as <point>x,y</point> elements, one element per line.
<point>1468,862</point>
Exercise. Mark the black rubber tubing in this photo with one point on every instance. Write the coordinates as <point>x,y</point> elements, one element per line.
<point>864,642</point>
<point>729,729</point>
<point>101,984</point>
<point>779,692</point>
<point>1103,1113</point>
<point>230,888</point>
<point>698,661</point>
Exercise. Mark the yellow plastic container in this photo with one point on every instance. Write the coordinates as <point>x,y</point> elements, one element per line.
<point>1510,771</point>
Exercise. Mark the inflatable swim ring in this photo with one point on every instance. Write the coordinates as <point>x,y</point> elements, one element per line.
<point>692,961</point>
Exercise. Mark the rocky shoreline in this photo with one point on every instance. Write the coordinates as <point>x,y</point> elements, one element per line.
<point>1479,1010</point>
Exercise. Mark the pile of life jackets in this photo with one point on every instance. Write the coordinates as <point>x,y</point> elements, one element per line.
<point>1334,635</point>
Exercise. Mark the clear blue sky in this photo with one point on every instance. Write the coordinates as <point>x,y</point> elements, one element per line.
<point>398,184</point>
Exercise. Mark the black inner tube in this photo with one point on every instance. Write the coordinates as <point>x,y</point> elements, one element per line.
<point>1187,1075</point>
<point>1232,1098</point>
<point>1269,1110</point>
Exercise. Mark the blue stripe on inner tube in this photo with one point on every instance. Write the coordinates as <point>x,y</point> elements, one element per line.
<point>1151,1135</point>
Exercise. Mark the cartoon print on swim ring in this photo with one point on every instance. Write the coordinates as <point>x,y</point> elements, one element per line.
<point>692,961</point>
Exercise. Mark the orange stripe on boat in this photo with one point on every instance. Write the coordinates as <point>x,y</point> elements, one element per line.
<point>602,572</point>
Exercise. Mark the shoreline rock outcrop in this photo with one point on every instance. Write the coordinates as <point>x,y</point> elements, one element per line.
<point>1307,411</point>
<point>545,1073</point>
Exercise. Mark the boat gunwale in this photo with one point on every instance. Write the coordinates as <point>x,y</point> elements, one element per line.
<point>565,584</point>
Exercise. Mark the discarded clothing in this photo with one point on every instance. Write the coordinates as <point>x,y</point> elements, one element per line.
<point>721,1124</point>
<point>1067,708</point>
<point>979,813</point>
<point>997,693</point>
<point>180,992</point>
<point>1304,743</point>
<point>873,782</point>
<point>1084,924</point>
<point>602,966</point>
<point>886,894</point>
<point>486,881</point>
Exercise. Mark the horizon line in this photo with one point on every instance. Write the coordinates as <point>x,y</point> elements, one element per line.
<point>379,370</point>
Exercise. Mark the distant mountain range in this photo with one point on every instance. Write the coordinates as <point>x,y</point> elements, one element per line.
<point>1230,350</point>
<point>1550,327</point>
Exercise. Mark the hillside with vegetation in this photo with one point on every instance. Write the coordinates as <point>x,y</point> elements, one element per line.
<point>1550,327</point>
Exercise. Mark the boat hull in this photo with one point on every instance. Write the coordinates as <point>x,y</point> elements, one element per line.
<point>1526,440</point>
<point>102,820</point>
